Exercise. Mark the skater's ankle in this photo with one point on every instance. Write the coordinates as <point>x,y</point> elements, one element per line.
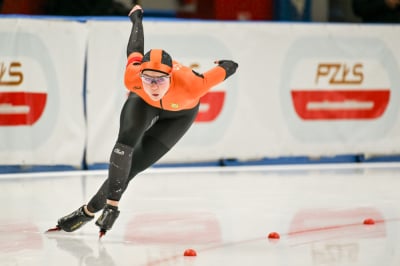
<point>112,202</point>
<point>87,212</point>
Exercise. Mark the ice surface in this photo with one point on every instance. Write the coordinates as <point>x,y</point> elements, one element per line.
<point>225,214</point>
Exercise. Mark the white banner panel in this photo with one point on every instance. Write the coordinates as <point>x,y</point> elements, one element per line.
<point>301,89</point>
<point>41,92</point>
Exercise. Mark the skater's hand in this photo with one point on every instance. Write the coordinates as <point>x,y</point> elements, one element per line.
<point>220,62</point>
<point>136,7</point>
<point>229,66</point>
<point>136,14</point>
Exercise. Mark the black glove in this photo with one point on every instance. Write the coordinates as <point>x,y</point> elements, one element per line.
<point>229,66</point>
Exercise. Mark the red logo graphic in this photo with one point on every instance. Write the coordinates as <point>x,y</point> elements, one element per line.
<point>340,104</point>
<point>210,106</point>
<point>351,102</point>
<point>18,108</point>
<point>21,108</point>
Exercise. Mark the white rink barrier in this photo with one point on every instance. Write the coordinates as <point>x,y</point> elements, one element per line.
<point>41,92</point>
<point>300,90</point>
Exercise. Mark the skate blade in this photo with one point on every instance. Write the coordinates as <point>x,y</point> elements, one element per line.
<point>102,233</point>
<point>54,229</point>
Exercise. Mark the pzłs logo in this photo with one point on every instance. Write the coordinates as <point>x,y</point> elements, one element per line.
<point>19,103</point>
<point>350,90</point>
<point>342,90</point>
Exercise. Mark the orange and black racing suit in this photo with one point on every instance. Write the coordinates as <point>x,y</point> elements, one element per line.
<point>149,129</point>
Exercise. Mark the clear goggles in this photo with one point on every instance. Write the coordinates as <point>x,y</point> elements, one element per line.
<point>156,80</point>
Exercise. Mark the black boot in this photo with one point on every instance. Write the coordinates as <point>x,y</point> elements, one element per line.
<point>74,220</point>
<point>107,218</point>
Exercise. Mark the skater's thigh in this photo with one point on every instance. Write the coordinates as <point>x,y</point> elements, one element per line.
<point>169,131</point>
<point>159,139</point>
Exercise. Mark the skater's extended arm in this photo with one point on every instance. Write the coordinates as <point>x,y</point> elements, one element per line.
<point>202,83</point>
<point>136,38</point>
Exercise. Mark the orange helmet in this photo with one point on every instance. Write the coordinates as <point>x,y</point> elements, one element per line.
<point>157,60</point>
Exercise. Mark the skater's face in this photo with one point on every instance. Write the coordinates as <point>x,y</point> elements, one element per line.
<point>155,84</point>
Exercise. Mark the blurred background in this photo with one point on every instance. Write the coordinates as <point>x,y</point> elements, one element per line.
<point>282,10</point>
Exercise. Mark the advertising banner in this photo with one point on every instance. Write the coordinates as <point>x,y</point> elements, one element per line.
<point>41,92</point>
<point>300,89</point>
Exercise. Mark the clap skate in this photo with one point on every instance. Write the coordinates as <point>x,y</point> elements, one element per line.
<point>107,219</point>
<point>72,221</point>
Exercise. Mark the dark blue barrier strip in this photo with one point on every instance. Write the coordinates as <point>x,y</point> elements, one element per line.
<point>194,164</point>
<point>97,166</point>
<point>290,160</point>
<point>166,16</point>
<point>102,166</point>
<point>380,159</point>
<point>147,16</point>
<point>10,169</point>
<point>293,160</point>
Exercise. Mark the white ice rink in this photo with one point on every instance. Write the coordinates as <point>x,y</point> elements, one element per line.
<point>225,214</point>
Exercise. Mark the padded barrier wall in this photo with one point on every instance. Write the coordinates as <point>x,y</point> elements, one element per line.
<point>77,127</point>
